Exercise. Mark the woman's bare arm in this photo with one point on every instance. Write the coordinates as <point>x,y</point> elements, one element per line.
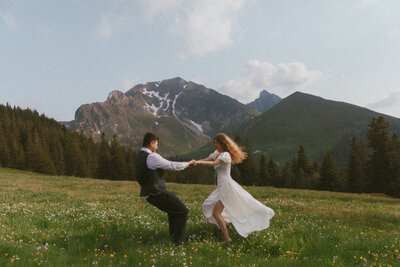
<point>210,158</point>
<point>207,159</point>
<point>209,163</point>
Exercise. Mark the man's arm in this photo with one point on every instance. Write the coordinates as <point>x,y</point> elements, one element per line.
<point>156,161</point>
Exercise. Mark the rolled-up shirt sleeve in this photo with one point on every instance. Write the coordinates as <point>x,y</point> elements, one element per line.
<point>155,161</point>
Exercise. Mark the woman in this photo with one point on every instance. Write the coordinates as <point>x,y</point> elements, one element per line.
<point>230,203</point>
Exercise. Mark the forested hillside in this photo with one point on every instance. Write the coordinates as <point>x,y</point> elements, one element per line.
<point>30,141</point>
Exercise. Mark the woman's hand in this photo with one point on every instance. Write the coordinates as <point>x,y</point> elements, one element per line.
<point>192,163</point>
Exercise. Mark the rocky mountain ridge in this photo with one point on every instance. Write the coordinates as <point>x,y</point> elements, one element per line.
<point>187,115</point>
<point>184,114</point>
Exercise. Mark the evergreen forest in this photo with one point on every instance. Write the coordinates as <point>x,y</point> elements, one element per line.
<point>30,141</point>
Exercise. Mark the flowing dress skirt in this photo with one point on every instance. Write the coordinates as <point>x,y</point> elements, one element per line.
<point>240,208</point>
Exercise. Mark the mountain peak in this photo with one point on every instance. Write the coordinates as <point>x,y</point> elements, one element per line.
<point>318,124</point>
<point>178,79</point>
<point>264,102</point>
<point>298,93</point>
<point>264,93</point>
<point>116,95</point>
<point>184,114</point>
<point>301,96</point>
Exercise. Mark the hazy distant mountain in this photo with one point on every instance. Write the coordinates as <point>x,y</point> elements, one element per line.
<point>264,102</point>
<point>184,114</point>
<point>316,123</point>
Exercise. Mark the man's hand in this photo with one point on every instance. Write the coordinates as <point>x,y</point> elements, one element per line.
<point>192,163</point>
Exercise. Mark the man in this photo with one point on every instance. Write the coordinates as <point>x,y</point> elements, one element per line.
<point>149,166</point>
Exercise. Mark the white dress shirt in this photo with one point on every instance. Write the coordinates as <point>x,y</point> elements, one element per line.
<point>156,161</point>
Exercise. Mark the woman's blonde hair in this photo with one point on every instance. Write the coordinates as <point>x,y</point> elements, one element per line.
<point>228,145</point>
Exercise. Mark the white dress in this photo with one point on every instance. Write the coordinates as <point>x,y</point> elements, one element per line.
<point>240,208</point>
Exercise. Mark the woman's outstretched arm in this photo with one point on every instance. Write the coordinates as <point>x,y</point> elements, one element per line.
<point>210,158</point>
<point>207,159</point>
<point>209,163</point>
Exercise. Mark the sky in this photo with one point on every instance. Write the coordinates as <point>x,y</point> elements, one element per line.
<point>58,55</point>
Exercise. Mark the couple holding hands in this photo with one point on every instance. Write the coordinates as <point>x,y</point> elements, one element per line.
<point>228,203</point>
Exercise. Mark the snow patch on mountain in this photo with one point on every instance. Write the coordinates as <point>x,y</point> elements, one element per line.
<point>173,105</point>
<point>152,108</point>
<point>152,94</point>
<point>168,101</point>
<point>198,126</point>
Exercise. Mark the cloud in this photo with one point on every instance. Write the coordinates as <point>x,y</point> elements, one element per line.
<point>391,100</point>
<point>388,105</point>
<point>206,25</point>
<point>105,29</point>
<point>282,79</point>
<point>8,19</point>
<point>113,22</point>
<point>203,26</point>
<point>154,7</point>
<point>119,16</point>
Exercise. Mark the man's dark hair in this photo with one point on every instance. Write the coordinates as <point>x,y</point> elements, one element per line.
<point>148,138</point>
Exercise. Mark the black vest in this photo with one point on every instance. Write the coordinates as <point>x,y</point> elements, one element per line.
<point>151,181</point>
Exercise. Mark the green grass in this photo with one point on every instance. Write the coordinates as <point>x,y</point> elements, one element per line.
<point>65,221</point>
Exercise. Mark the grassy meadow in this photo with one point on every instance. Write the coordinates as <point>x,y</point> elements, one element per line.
<point>65,221</point>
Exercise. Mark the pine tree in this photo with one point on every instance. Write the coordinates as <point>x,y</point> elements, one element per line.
<point>329,175</point>
<point>18,156</point>
<point>130,164</point>
<point>378,141</point>
<point>293,181</point>
<point>357,180</point>
<point>74,159</point>
<point>302,161</point>
<point>274,173</point>
<point>302,170</point>
<point>13,146</point>
<point>264,175</point>
<point>393,187</point>
<point>55,143</point>
<point>315,167</point>
<point>235,173</point>
<point>4,150</point>
<point>90,151</point>
<point>117,166</point>
<point>248,168</point>
<point>58,156</point>
<point>38,156</point>
<point>104,164</point>
<point>315,176</point>
<point>287,176</point>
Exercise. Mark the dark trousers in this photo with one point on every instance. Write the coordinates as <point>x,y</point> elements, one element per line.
<point>177,213</point>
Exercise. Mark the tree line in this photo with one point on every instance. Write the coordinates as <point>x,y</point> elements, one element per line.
<point>371,168</point>
<point>30,141</point>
